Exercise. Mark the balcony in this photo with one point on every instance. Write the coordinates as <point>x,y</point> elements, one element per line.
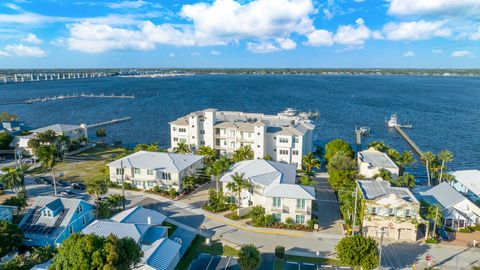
<point>304,211</point>
<point>280,209</point>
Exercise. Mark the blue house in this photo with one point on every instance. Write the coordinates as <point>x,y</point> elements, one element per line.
<point>51,220</point>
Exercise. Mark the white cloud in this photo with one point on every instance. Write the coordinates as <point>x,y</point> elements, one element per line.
<point>416,30</point>
<point>32,38</point>
<point>327,14</point>
<point>475,35</point>
<point>262,47</point>
<point>439,7</point>
<point>437,51</point>
<point>286,44</point>
<point>352,35</point>
<point>4,53</point>
<point>213,52</point>
<point>25,51</point>
<point>12,6</point>
<point>127,4</point>
<point>320,37</point>
<point>226,21</point>
<point>458,54</point>
<point>409,54</point>
<point>377,35</point>
<point>97,38</point>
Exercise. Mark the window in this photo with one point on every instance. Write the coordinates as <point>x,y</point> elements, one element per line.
<point>283,152</point>
<point>182,130</point>
<point>277,202</point>
<point>217,131</point>
<point>299,219</point>
<point>193,126</point>
<point>232,144</point>
<point>374,211</point>
<point>166,176</point>
<point>277,217</point>
<point>84,221</point>
<point>80,208</point>
<point>175,139</point>
<point>225,143</point>
<point>202,142</point>
<point>283,140</point>
<point>183,140</point>
<point>149,172</point>
<point>217,141</point>
<point>119,171</point>
<point>202,131</point>
<point>295,139</point>
<point>295,152</point>
<point>136,170</point>
<point>300,204</point>
<point>70,229</point>
<point>174,128</point>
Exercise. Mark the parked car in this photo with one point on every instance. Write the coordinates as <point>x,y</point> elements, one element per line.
<point>79,186</point>
<point>45,180</point>
<point>66,193</point>
<point>38,180</point>
<point>443,234</point>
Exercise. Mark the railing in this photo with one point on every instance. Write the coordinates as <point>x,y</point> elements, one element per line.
<point>305,210</point>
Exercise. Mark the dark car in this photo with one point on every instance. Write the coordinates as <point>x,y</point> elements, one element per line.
<point>443,234</point>
<point>38,180</point>
<point>79,186</point>
<point>45,180</point>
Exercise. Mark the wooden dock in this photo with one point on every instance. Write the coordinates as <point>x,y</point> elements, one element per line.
<point>409,140</point>
<point>114,121</point>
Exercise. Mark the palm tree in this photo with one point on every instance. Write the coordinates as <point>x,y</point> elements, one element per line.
<point>379,146</point>
<point>97,187</point>
<point>309,162</point>
<point>406,159</point>
<point>13,179</point>
<point>101,134</point>
<point>189,182</point>
<point>64,142</point>
<point>239,183</point>
<point>428,158</point>
<point>182,148</point>
<point>208,153</point>
<point>249,257</point>
<point>47,155</point>
<point>405,180</point>
<point>393,154</point>
<point>445,156</point>
<point>216,169</point>
<point>243,153</point>
<point>152,147</point>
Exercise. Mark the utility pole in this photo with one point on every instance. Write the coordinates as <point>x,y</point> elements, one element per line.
<point>54,183</point>
<point>123,185</point>
<point>381,248</point>
<point>355,209</point>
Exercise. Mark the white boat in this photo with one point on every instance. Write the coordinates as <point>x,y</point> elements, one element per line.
<point>393,122</point>
<point>289,112</point>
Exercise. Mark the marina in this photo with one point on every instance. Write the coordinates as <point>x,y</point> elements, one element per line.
<point>81,95</point>
<point>37,77</point>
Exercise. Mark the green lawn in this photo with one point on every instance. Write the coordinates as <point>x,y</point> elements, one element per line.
<point>198,246</point>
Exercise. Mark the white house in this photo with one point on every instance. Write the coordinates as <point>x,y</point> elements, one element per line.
<point>393,209</point>
<point>274,188</point>
<point>458,211</point>
<point>371,161</point>
<point>73,132</point>
<point>146,170</point>
<point>141,224</point>
<point>467,182</point>
<point>284,138</point>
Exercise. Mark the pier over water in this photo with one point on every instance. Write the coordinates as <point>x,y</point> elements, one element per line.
<point>409,140</point>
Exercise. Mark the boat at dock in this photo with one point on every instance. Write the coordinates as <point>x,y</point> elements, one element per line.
<point>393,122</point>
<point>291,112</point>
<point>364,130</point>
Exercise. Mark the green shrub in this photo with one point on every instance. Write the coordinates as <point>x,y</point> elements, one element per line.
<point>233,207</point>
<point>157,189</point>
<point>234,216</point>
<point>289,221</point>
<point>172,193</point>
<point>467,229</point>
<point>432,241</point>
<point>269,220</point>
<point>280,252</point>
<point>311,223</point>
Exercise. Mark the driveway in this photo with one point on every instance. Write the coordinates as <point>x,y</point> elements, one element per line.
<point>327,206</point>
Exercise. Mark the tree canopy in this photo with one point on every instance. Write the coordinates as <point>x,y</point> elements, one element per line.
<point>12,237</point>
<point>249,257</point>
<point>243,153</point>
<point>358,251</point>
<point>5,140</point>
<point>182,148</point>
<point>335,146</point>
<point>80,251</point>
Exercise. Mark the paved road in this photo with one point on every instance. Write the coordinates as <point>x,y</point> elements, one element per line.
<point>327,207</point>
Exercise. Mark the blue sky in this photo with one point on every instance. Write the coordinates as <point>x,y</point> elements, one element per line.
<point>241,33</point>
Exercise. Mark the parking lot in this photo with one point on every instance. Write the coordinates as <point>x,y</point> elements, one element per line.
<point>211,262</point>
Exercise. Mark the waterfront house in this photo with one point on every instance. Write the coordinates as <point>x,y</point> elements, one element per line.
<point>467,182</point>
<point>371,161</point>
<point>6,212</point>
<point>73,132</point>
<point>145,170</point>
<point>458,211</point>
<point>394,209</point>
<point>274,188</point>
<point>51,220</point>
<point>283,138</point>
<point>13,127</point>
<point>142,225</point>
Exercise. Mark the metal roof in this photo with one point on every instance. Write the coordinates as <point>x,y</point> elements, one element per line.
<point>57,128</point>
<point>139,215</point>
<point>161,254</point>
<point>376,189</point>
<point>470,179</point>
<point>121,230</point>
<point>376,159</point>
<point>162,161</point>
<point>444,194</point>
<point>290,191</point>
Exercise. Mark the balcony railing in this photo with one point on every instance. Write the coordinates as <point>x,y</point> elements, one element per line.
<point>280,209</point>
<point>304,211</point>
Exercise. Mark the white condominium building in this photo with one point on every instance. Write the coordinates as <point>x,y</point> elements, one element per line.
<point>285,138</point>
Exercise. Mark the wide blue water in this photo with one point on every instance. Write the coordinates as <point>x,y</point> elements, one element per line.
<point>445,111</point>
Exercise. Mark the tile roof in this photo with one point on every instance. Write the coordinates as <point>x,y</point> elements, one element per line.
<point>57,128</point>
<point>376,189</point>
<point>166,162</point>
<point>470,179</point>
<point>139,215</point>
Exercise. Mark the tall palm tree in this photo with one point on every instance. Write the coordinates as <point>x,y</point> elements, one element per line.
<point>393,154</point>
<point>239,183</point>
<point>429,158</point>
<point>243,153</point>
<point>97,187</point>
<point>445,156</point>
<point>189,182</point>
<point>208,153</point>
<point>406,159</point>
<point>182,148</point>
<point>47,155</point>
<point>309,162</point>
<point>216,169</point>
<point>405,180</point>
<point>249,257</point>
<point>13,179</point>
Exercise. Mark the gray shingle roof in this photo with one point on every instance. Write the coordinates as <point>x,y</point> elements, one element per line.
<point>375,189</point>
<point>57,128</point>
<point>166,162</point>
<point>139,215</point>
